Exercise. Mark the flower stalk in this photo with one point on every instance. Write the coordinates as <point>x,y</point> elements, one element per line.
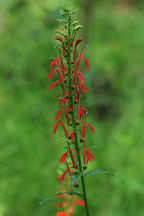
<point>73,118</point>
<point>71,80</point>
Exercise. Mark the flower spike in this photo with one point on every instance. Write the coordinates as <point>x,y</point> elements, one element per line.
<point>72,114</point>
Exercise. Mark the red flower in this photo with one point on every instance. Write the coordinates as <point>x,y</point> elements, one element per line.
<point>62,214</point>
<point>66,113</point>
<point>62,64</point>
<point>56,127</point>
<point>54,62</point>
<point>64,128</point>
<point>76,43</point>
<point>64,156</point>
<point>65,172</point>
<point>62,100</point>
<point>52,85</point>
<point>80,77</point>
<point>60,39</point>
<point>84,130</point>
<point>79,58</point>
<point>87,63</point>
<point>51,73</point>
<point>87,155</point>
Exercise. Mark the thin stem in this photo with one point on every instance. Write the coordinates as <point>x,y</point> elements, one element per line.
<point>73,118</point>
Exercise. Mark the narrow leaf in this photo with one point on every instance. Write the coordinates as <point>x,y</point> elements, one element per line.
<point>96,172</point>
<point>101,172</point>
<point>59,193</point>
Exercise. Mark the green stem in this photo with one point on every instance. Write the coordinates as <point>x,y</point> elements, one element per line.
<point>73,118</point>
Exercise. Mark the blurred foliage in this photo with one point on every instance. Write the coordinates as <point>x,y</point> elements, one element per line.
<point>29,155</point>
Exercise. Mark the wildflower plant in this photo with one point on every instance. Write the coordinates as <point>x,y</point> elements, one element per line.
<point>72,115</point>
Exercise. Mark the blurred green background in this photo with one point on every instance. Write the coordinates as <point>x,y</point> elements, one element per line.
<point>29,153</point>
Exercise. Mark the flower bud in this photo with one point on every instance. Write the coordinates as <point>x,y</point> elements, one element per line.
<point>84,166</point>
<point>76,185</point>
<point>82,139</point>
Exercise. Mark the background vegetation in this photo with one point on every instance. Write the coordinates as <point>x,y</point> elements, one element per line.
<point>29,153</point>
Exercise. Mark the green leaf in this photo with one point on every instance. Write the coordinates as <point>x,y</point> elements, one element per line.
<point>102,172</point>
<point>92,146</point>
<point>96,172</point>
<point>59,193</point>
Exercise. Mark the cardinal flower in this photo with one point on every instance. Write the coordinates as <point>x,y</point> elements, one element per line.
<point>71,116</point>
<point>87,155</point>
<point>54,62</point>
<point>65,172</point>
<point>66,114</point>
<point>64,156</point>
<point>76,43</point>
<point>83,131</point>
<point>60,39</point>
<point>63,126</point>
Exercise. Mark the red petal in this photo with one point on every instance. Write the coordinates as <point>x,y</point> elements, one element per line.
<point>87,63</point>
<point>51,73</point>
<point>79,202</point>
<point>83,88</point>
<point>91,127</point>
<point>58,113</point>
<point>84,70</point>
<point>55,128</point>
<point>62,214</point>
<point>83,129</point>
<point>59,38</point>
<point>92,156</point>
<point>88,156</point>
<point>80,77</point>
<point>63,158</point>
<point>68,169</point>
<point>63,175</point>
<point>50,88</point>
<point>60,74</point>
<point>79,58</point>
<point>62,100</point>
<point>78,41</point>
<point>71,208</point>
<point>54,61</point>
<point>73,135</point>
